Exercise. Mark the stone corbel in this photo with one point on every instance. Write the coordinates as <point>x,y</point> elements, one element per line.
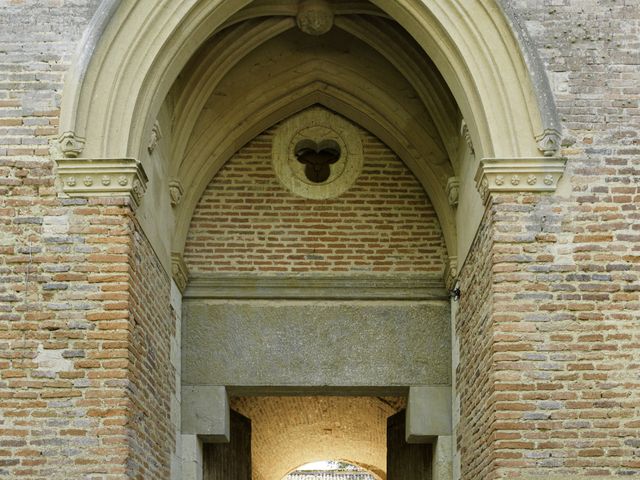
<point>67,145</point>
<point>176,191</point>
<point>205,412</point>
<point>179,271</point>
<point>453,190</point>
<point>510,175</point>
<point>464,131</point>
<point>428,413</point>
<point>451,272</point>
<point>83,177</point>
<point>549,142</point>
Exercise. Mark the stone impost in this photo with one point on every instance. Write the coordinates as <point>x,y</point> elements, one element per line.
<point>85,177</point>
<point>509,175</point>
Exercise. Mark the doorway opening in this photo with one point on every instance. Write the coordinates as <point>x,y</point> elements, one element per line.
<point>291,438</point>
<point>330,470</point>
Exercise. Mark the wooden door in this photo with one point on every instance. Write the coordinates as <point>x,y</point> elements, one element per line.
<point>230,461</point>
<point>406,461</point>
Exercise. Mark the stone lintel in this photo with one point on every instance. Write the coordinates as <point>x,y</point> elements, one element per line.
<point>179,271</point>
<point>300,287</point>
<point>205,413</point>
<point>428,413</point>
<point>93,177</point>
<point>509,175</point>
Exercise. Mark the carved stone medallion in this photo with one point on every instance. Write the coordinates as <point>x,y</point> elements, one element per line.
<point>315,17</point>
<point>317,154</point>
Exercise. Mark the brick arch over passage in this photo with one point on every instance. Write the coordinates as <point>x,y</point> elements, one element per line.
<point>288,432</point>
<point>246,221</point>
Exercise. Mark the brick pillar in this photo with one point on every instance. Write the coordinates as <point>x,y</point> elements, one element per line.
<point>82,351</point>
<point>493,341</point>
<point>547,378</point>
<point>563,341</point>
<point>475,370</point>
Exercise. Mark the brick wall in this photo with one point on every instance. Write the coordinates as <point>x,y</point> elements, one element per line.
<point>566,335</point>
<point>151,375</point>
<point>566,269</point>
<point>85,371</point>
<point>64,330</point>
<point>474,373</point>
<point>38,42</point>
<point>247,222</point>
<point>76,396</point>
<point>63,300</point>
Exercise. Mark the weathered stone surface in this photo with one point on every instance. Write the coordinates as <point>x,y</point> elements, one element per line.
<point>270,343</point>
<point>205,412</point>
<point>428,413</point>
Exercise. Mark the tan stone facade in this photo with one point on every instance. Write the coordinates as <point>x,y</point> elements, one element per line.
<point>500,157</point>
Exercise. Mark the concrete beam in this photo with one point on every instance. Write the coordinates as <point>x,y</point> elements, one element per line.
<point>428,414</point>
<point>205,413</point>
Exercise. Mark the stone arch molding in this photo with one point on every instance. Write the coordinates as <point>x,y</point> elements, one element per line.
<point>133,52</point>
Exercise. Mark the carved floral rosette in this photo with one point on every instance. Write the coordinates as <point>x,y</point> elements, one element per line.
<point>501,175</point>
<point>82,177</point>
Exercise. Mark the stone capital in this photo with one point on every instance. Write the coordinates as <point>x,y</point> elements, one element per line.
<point>512,175</point>
<point>91,177</point>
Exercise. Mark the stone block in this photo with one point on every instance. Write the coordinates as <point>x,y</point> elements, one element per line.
<point>294,344</point>
<point>192,463</point>
<point>205,412</point>
<point>428,413</point>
